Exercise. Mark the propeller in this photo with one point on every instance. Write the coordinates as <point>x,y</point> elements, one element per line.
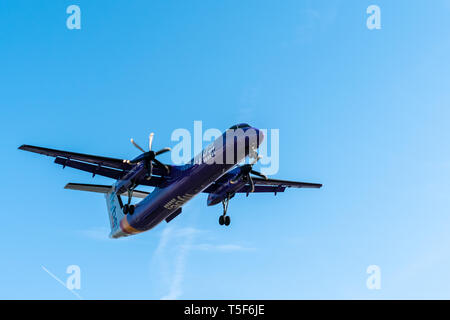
<point>149,157</point>
<point>246,170</point>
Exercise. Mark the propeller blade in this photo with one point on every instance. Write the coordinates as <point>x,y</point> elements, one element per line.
<point>150,141</point>
<point>149,166</point>
<point>252,184</point>
<point>256,159</point>
<point>157,153</point>
<point>136,145</point>
<point>259,174</point>
<point>162,165</point>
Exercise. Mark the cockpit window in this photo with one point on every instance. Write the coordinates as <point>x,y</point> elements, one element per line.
<point>240,126</point>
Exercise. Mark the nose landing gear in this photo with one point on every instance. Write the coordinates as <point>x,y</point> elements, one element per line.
<point>224,219</point>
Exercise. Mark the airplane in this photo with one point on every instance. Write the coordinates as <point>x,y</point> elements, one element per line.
<point>215,171</point>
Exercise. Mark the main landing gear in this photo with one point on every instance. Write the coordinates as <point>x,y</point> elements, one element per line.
<point>224,219</point>
<point>129,208</point>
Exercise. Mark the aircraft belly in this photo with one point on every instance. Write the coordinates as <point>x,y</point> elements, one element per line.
<point>162,202</point>
<point>165,201</point>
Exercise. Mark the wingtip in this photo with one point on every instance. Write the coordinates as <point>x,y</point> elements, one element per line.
<point>25,147</point>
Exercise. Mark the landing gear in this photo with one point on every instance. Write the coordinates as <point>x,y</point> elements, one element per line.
<point>129,208</point>
<point>224,219</point>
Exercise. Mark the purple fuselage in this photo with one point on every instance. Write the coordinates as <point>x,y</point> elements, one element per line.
<point>185,182</point>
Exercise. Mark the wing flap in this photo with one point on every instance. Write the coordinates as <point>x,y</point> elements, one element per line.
<point>94,169</point>
<point>155,181</point>
<point>285,183</point>
<point>260,189</point>
<point>109,167</point>
<point>269,185</point>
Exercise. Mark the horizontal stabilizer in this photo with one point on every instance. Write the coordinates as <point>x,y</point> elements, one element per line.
<point>101,189</point>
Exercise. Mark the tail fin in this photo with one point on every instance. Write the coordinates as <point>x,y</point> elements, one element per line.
<point>113,202</point>
<point>115,212</point>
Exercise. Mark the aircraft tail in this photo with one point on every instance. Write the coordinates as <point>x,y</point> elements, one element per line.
<point>115,213</point>
<point>113,203</point>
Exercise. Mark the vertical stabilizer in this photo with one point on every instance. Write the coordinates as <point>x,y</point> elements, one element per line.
<point>115,213</point>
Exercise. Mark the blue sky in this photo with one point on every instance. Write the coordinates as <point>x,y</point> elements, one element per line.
<point>364,112</point>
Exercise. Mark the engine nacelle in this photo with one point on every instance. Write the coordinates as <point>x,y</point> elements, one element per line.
<point>134,174</point>
<point>234,183</point>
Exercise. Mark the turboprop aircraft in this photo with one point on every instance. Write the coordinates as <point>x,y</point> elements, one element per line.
<point>215,171</point>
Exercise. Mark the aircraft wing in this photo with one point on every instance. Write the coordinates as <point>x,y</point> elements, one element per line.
<point>284,183</point>
<point>269,185</point>
<point>275,186</point>
<point>98,160</point>
<point>259,189</point>
<point>104,166</point>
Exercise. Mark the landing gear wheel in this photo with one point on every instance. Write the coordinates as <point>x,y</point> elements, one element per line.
<point>129,208</point>
<point>224,219</point>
